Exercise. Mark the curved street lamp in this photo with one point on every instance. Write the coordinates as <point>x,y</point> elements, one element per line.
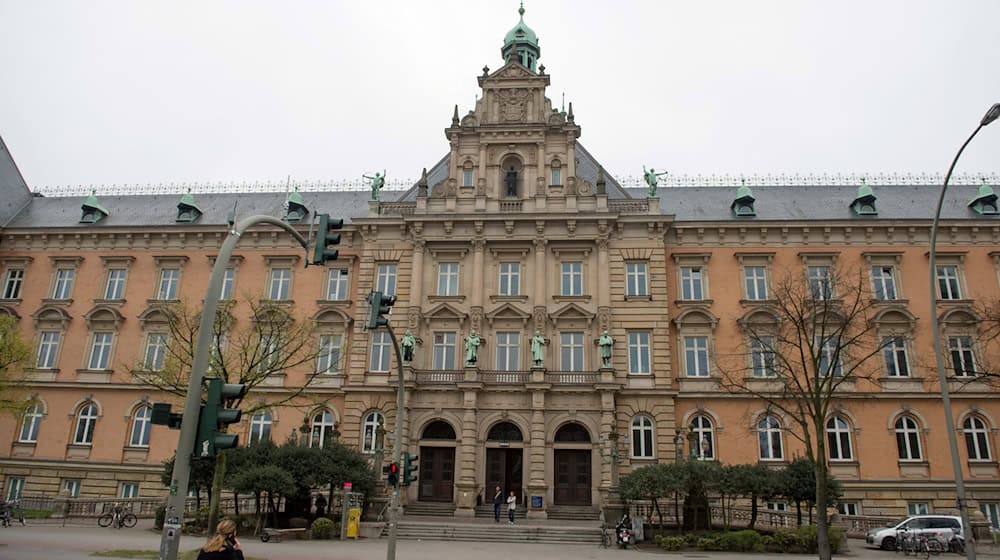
<point>956,461</point>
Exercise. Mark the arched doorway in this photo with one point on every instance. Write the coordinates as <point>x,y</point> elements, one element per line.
<point>504,464</point>
<point>572,477</point>
<point>437,463</point>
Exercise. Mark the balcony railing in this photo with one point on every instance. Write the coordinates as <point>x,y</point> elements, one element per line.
<point>439,377</point>
<point>571,377</point>
<point>504,377</point>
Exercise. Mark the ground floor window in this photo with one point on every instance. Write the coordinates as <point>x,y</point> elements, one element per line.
<point>129,490</point>
<point>71,487</point>
<point>15,485</point>
<point>848,508</point>
<point>917,508</point>
<point>992,513</point>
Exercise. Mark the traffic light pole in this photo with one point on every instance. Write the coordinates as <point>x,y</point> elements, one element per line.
<point>397,452</point>
<point>171,537</point>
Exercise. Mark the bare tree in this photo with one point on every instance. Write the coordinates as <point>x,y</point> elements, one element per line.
<point>14,354</point>
<point>814,339</point>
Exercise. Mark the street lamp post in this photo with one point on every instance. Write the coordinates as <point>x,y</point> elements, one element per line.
<point>956,462</point>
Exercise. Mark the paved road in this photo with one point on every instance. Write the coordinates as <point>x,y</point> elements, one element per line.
<point>77,543</point>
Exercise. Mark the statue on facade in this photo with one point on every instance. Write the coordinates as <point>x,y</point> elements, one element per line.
<point>605,342</point>
<point>408,342</point>
<point>511,181</point>
<point>651,177</point>
<point>538,348</point>
<point>376,182</point>
<point>472,343</point>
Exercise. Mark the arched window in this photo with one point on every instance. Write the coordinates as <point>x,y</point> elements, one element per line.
<point>908,439</point>
<point>701,426</point>
<point>838,437</point>
<point>572,433</point>
<point>439,429</point>
<point>505,431</point>
<point>769,439</point>
<point>141,426</point>
<point>370,436</point>
<point>642,437</point>
<point>260,427</point>
<point>30,422</point>
<point>976,439</point>
<point>323,426</point>
<point>86,420</point>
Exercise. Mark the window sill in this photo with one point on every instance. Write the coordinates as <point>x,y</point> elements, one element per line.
<point>10,301</point>
<point>115,302</point>
<point>327,302</point>
<point>334,379</point>
<point>889,302</point>
<point>154,301</point>
<point>78,450</point>
<point>914,469</point>
<point>693,302</point>
<point>23,448</point>
<point>94,375</point>
<point>276,379</point>
<point>438,299</point>
<point>277,302</point>
<point>135,454</point>
<point>955,302</point>
<point>54,301</point>
<point>42,374</point>
<point>643,460</point>
<point>503,298</point>
<point>565,298</point>
<point>757,302</point>
<point>638,297</point>
<point>983,469</point>
<point>901,384</point>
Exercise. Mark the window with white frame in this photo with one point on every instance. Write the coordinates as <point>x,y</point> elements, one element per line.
<point>696,356</point>
<point>884,282</point>
<point>336,284</point>
<point>976,439</point>
<point>642,437</point>
<point>556,174</point>
<point>71,487</point>
<point>828,348</point>
<point>755,282</point>
<point>100,351</point>
<point>443,351</point>
<point>838,434</point>
<point>31,421</point>
<point>370,428</point>
<point>468,177</point>
<point>992,512</point>
<point>86,421</point>
<point>169,283</point>
<point>447,279</point>
<point>692,283</point>
<point>13,281</point>
<point>963,361</point>
<point>281,284</point>
<point>15,486</point>
<point>769,439</point>
<point>322,432</point>
<point>128,490</point>
<point>228,283</point>
<point>260,427</point>
<point>156,351</point>
<point>894,352</point>
<point>636,279</point>
<point>820,282</point>
<point>572,279</point>
<point>63,286</point>
<point>328,360</point>
<point>385,278</point>
<point>848,508</point>
<point>918,508</point>
<point>762,356</point>
<point>141,426</point>
<point>269,353</point>
<point>115,286</point>
<point>639,353</point>
<point>947,279</point>
<point>571,351</point>
<point>907,439</point>
<point>510,279</point>
<point>701,427</point>
<point>380,351</point>
<point>48,349</point>
<point>508,351</point>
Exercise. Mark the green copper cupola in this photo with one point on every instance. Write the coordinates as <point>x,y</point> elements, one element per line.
<point>743,203</point>
<point>296,210</point>
<point>986,201</point>
<point>521,43</point>
<point>187,210</point>
<point>864,202</point>
<point>93,212</point>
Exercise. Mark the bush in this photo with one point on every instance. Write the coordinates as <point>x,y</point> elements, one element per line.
<point>670,542</point>
<point>198,521</point>
<point>322,528</point>
<point>747,540</point>
<point>709,542</point>
<point>36,513</point>
<point>161,514</point>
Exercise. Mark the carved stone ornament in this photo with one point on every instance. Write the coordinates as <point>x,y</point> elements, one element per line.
<point>413,318</point>
<point>540,315</point>
<point>584,187</point>
<point>513,104</point>
<point>604,318</point>
<point>470,120</point>
<point>515,72</point>
<point>477,318</point>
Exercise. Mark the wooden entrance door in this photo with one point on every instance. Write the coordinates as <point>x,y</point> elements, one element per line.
<point>436,474</point>
<point>504,468</point>
<point>572,477</point>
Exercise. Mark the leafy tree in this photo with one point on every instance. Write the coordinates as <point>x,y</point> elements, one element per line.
<point>14,354</point>
<point>268,480</point>
<point>202,471</point>
<point>654,482</point>
<point>797,482</point>
<point>753,482</point>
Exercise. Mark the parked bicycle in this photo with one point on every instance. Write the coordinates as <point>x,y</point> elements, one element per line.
<point>924,543</point>
<point>117,518</point>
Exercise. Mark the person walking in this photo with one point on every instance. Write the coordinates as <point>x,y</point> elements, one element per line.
<point>223,545</point>
<point>511,506</point>
<point>497,504</point>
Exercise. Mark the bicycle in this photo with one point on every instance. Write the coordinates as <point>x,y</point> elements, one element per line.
<point>605,537</point>
<point>118,519</point>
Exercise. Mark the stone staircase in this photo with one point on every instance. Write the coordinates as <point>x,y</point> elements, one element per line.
<point>574,513</point>
<point>496,532</point>
<point>433,509</point>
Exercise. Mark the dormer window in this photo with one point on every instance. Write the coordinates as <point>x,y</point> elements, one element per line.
<point>743,203</point>
<point>864,202</point>
<point>93,212</point>
<point>296,209</point>
<point>985,202</point>
<point>187,210</point>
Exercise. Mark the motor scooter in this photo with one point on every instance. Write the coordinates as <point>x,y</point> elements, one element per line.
<point>623,531</point>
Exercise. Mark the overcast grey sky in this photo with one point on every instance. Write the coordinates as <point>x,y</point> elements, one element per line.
<point>156,91</point>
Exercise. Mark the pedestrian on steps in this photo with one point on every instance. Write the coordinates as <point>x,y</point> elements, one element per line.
<point>511,506</point>
<point>497,503</point>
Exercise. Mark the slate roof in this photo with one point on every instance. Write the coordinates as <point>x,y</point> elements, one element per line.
<point>14,193</point>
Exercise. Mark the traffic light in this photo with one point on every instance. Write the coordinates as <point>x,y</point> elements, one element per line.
<point>410,466</point>
<point>326,235</point>
<point>379,305</point>
<point>391,472</point>
<point>212,436</point>
<point>162,416</point>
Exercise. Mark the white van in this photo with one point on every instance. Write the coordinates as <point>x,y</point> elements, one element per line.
<point>885,537</point>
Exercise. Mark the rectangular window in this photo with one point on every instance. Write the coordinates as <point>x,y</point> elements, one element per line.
<point>48,347</point>
<point>571,351</point>
<point>228,280</point>
<point>918,508</point>
<point>336,284</point>
<point>894,351</point>
<point>380,351</point>
<point>444,351</point>
<point>638,353</point>
<point>947,277</point>
<point>848,508</point>
<point>12,284</point>
<point>385,279</point>
<point>883,282</point>
<point>467,175</point>
<point>508,351</point>
<point>691,283</point>
<point>510,279</point>
<point>448,279</point>
<point>756,282</point>
<point>635,279</point>
<point>696,356</point>
<point>829,356</point>
<point>329,353</point>
<point>15,486</point>
<point>572,279</point>
<point>100,351</point>
<point>762,356</point>
<point>156,351</point>
<point>820,283</point>
<point>270,350</point>
<point>71,488</point>
<point>115,288</point>
<point>169,279</point>
<point>992,512</point>
<point>962,359</point>
<point>556,175</point>
<point>63,287</point>
<point>281,284</point>
<point>129,490</point>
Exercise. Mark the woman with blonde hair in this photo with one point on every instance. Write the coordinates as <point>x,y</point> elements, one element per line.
<point>223,545</point>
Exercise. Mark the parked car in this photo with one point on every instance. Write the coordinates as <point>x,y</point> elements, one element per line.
<point>885,537</point>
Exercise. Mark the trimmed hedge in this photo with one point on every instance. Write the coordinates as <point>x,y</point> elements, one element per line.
<point>322,528</point>
<point>800,540</point>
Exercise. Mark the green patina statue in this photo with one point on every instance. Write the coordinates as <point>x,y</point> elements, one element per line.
<point>650,177</point>
<point>408,342</point>
<point>605,342</point>
<point>376,182</point>
<point>472,343</point>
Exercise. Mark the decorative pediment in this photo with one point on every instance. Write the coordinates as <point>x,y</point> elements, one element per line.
<point>51,314</point>
<point>895,316</point>
<point>756,318</point>
<point>696,316</point>
<point>512,70</point>
<point>154,314</point>
<point>446,312</point>
<point>571,312</point>
<point>10,311</point>
<point>508,312</point>
<point>959,316</point>
<point>329,316</point>
<point>103,315</point>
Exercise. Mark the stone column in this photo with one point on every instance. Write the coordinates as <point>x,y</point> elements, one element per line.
<point>476,301</point>
<point>536,456</point>
<point>465,460</point>
<point>417,275</point>
<point>538,290</point>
